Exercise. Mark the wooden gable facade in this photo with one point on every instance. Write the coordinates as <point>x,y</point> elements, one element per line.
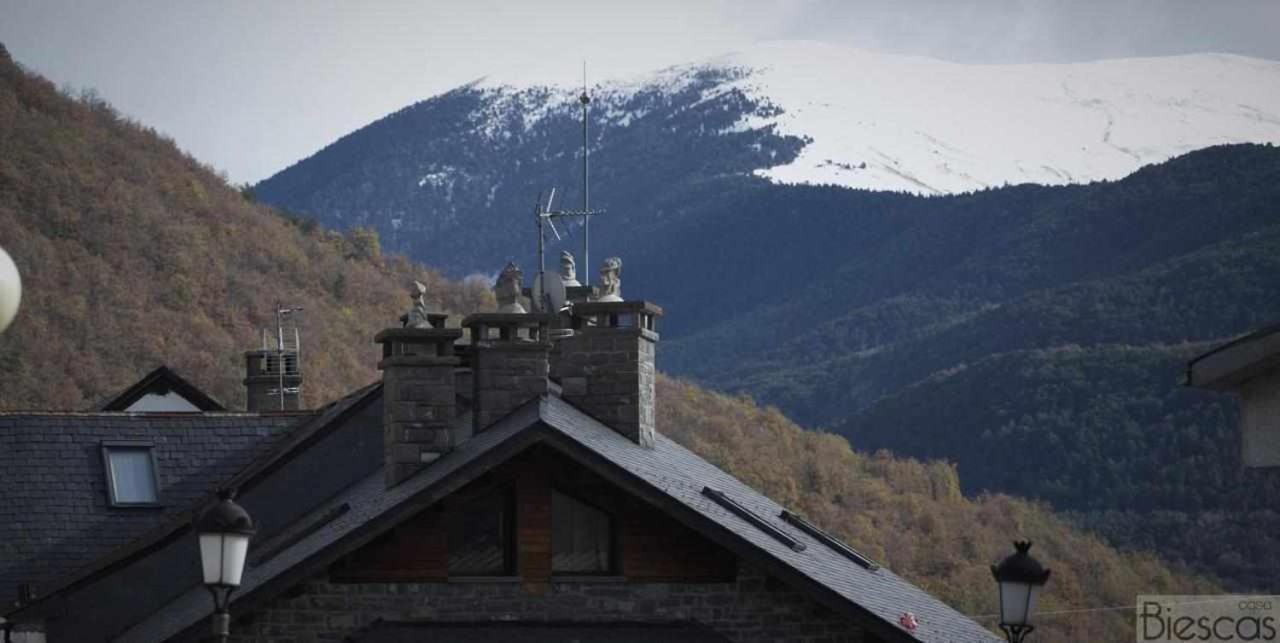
<point>644,545</point>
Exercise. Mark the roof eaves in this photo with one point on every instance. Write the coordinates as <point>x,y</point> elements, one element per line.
<point>1226,366</point>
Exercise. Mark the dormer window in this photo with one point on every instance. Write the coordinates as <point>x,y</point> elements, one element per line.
<point>581,537</point>
<point>132,480</point>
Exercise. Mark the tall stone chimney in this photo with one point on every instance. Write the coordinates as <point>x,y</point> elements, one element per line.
<point>418,397</point>
<point>272,380</point>
<point>606,367</point>
<point>509,362</point>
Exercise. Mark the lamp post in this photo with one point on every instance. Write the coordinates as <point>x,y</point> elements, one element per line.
<point>225,529</point>
<point>1020,578</point>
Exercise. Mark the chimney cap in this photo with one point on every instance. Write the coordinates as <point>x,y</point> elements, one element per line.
<point>523,320</point>
<point>617,308</point>
<point>417,335</point>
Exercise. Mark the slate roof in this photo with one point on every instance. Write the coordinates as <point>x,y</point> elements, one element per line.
<point>668,475</point>
<point>161,381</point>
<point>56,517</point>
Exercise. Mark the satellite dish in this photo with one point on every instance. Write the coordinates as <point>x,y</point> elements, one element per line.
<point>11,290</point>
<point>556,292</point>
<point>548,293</point>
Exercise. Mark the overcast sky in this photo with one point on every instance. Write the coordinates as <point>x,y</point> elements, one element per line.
<point>251,86</point>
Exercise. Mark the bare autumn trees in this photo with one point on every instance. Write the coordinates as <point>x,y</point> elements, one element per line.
<point>135,254</point>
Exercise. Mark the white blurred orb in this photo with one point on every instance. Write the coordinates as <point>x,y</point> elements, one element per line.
<point>10,290</point>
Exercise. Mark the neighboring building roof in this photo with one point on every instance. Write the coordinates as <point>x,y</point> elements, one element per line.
<point>56,518</point>
<point>667,475</point>
<point>490,632</point>
<point>162,384</point>
<point>1226,366</point>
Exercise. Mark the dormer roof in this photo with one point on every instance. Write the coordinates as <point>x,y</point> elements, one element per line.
<point>164,391</point>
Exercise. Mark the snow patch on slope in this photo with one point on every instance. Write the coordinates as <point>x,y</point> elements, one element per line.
<point>921,125</point>
<point>886,122</point>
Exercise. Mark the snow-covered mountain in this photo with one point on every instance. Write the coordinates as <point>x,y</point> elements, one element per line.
<point>908,123</point>
<point>450,180</point>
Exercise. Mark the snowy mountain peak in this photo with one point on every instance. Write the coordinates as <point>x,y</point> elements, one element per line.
<point>915,124</point>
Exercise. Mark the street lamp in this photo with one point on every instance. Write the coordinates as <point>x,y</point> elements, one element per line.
<point>1020,578</point>
<point>224,531</point>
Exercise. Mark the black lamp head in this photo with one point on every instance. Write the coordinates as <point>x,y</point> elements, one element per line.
<point>225,517</point>
<point>1020,567</point>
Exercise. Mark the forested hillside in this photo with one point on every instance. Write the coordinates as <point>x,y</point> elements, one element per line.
<point>1049,325</point>
<point>911,516</point>
<point>134,254</point>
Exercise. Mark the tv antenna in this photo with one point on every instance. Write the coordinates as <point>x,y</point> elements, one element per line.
<point>546,216</point>
<point>287,348</point>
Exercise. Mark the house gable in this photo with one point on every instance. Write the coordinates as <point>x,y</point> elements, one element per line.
<point>648,546</point>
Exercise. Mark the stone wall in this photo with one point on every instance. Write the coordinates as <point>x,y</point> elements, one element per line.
<point>609,373</point>
<point>505,375</point>
<point>1260,421</point>
<point>753,608</point>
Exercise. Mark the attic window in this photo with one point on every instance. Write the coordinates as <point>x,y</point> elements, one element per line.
<point>132,480</point>
<point>755,519</point>
<point>482,536</point>
<point>581,537</point>
<point>828,540</point>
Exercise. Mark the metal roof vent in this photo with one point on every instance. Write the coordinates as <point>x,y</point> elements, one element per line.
<point>827,539</point>
<point>759,522</point>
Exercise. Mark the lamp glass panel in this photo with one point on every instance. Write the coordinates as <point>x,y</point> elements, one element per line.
<point>211,558</point>
<point>1032,599</point>
<point>1014,600</point>
<point>235,547</point>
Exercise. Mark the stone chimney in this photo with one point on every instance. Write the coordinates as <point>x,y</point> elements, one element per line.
<point>509,362</point>
<point>272,380</point>
<point>606,367</point>
<point>419,390</point>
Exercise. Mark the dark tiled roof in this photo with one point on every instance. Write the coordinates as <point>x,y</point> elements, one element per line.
<point>161,381</point>
<point>388,632</point>
<point>668,473</point>
<point>682,475</point>
<point>55,517</point>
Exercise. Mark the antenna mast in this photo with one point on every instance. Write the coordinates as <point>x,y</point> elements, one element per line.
<point>546,216</point>
<point>586,185</point>
<point>284,348</point>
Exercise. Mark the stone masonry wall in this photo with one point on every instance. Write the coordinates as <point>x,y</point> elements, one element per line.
<point>609,373</point>
<point>418,410</point>
<point>506,375</point>
<point>754,608</point>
